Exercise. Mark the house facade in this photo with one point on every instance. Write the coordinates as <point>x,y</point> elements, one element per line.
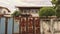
<point>32,11</point>
<point>32,7</point>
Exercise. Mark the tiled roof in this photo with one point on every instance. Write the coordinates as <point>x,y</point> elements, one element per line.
<point>34,3</point>
<point>5,8</point>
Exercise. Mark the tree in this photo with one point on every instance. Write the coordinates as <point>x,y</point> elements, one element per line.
<point>58,11</point>
<point>57,7</point>
<point>58,2</point>
<point>47,12</point>
<point>16,13</point>
<point>54,1</point>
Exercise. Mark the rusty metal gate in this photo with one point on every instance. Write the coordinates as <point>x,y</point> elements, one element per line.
<point>20,25</point>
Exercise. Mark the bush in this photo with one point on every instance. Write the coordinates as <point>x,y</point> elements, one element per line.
<point>47,12</point>
<point>16,13</point>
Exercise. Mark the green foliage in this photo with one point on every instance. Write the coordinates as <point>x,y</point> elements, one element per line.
<point>54,1</point>
<point>58,2</point>
<point>58,11</point>
<point>57,7</point>
<point>16,13</point>
<point>47,12</point>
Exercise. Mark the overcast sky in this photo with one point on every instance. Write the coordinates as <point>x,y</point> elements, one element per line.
<point>10,4</point>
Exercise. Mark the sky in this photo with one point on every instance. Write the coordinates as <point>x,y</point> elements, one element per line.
<point>10,4</point>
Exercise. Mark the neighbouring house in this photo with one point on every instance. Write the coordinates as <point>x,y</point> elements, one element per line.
<point>4,11</point>
<point>31,7</point>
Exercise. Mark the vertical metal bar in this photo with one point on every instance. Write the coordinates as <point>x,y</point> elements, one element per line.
<point>13,26</point>
<point>33,25</point>
<point>19,25</point>
<point>26,25</point>
<point>0,20</point>
<point>0,24</point>
<point>39,26</point>
<point>6,25</point>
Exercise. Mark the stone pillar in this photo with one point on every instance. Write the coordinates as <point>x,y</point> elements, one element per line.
<point>41,26</point>
<point>51,28</point>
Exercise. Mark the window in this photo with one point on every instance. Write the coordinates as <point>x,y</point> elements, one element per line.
<point>34,10</point>
<point>29,10</point>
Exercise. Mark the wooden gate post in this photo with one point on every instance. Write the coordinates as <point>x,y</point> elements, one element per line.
<point>6,24</point>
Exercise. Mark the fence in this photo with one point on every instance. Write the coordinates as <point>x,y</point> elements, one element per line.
<point>29,25</point>
<point>26,25</point>
<point>50,26</point>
